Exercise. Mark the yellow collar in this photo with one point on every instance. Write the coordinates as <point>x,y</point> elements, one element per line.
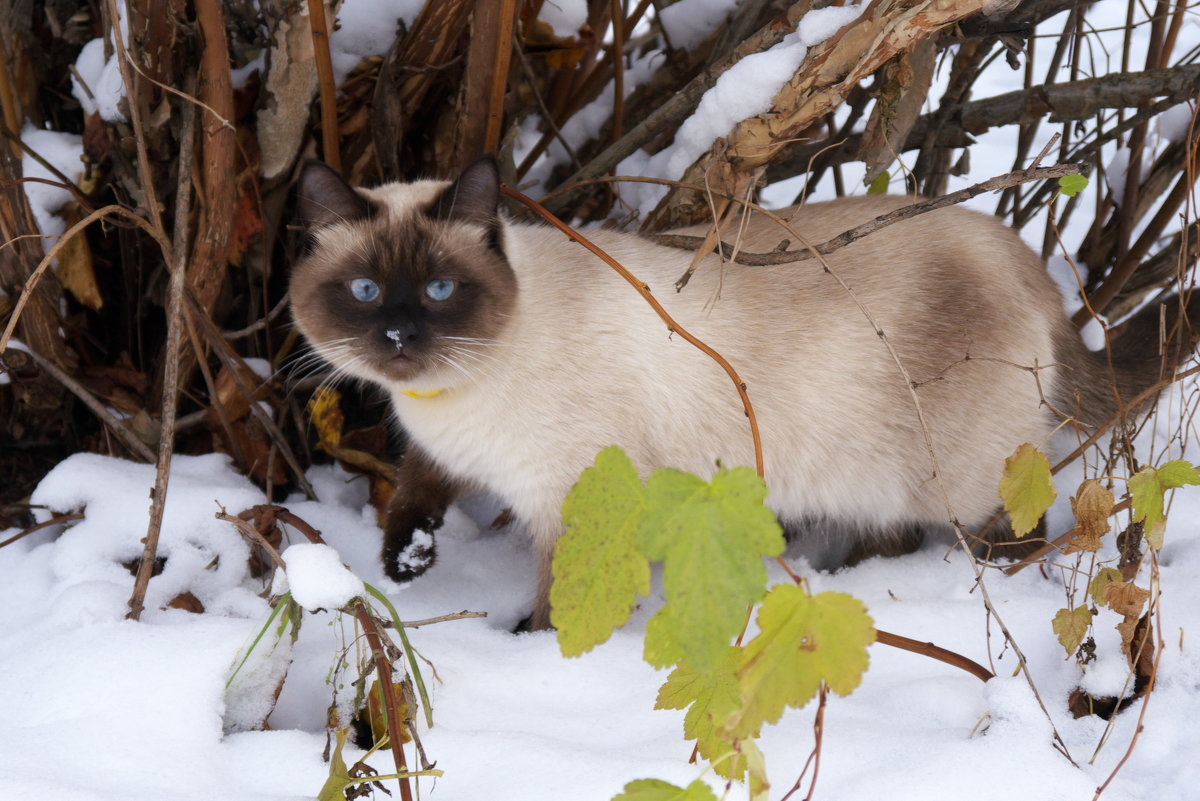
<point>419,395</point>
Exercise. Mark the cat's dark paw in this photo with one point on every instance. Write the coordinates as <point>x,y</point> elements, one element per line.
<point>410,551</point>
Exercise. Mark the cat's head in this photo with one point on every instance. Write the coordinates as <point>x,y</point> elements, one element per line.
<point>405,285</point>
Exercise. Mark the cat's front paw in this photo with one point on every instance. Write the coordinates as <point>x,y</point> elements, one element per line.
<point>410,552</point>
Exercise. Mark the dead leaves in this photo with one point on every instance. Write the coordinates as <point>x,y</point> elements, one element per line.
<point>1092,507</point>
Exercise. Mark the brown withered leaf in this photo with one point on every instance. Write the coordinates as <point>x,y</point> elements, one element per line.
<point>230,396</point>
<point>75,269</point>
<point>560,52</point>
<point>247,220</point>
<point>1127,599</point>
<point>1092,507</point>
<point>187,602</point>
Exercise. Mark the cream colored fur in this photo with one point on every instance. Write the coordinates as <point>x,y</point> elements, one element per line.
<point>585,363</point>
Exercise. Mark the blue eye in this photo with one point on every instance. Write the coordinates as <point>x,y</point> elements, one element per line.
<point>440,289</point>
<point>364,289</point>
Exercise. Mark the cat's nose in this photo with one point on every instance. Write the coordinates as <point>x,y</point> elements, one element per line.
<point>401,335</point>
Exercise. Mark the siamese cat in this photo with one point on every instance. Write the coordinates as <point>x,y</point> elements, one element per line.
<point>512,356</point>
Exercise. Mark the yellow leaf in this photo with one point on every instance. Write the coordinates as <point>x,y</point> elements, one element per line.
<point>76,271</point>
<point>1026,489</point>
<point>377,711</point>
<point>325,411</point>
<point>1071,626</point>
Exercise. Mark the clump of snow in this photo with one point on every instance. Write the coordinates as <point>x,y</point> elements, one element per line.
<point>1174,123</point>
<point>418,555</point>
<point>203,555</point>
<point>689,22</point>
<point>102,89</point>
<point>1093,333</point>
<point>744,90</point>
<point>565,17</point>
<point>317,578</point>
<point>367,28</point>
<point>64,151</point>
<point>1116,172</point>
<point>821,23</point>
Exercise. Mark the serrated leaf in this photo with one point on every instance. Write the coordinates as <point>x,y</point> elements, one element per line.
<point>1026,488</point>
<point>879,186</point>
<point>1091,506</point>
<point>1072,185</point>
<point>598,571</point>
<point>1106,576</point>
<point>662,646</point>
<point>711,538</point>
<point>1148,488</point>
<point>803,640</point>
<point>1176,473</point>
<point>657,790</point>
<point>1070,626</point>
<point>710,699</point>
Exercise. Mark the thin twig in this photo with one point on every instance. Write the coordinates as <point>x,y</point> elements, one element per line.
<point>776,257</point>
<point>176,288</point>
<point>36,276</point>
<point>254,535</point>
<point>429,621</point>
<point>672,326</point>
<point>127,437</point>
<point>54,521</point>
<point>259,325</point>
<point>145,176</point>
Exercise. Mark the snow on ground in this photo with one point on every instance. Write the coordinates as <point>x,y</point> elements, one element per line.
<point>98,708</point>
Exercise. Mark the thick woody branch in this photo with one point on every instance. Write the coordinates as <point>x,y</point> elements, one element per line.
<point>1075,100</point>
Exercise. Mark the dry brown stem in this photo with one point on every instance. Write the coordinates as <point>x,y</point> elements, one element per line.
<point>777,256</point>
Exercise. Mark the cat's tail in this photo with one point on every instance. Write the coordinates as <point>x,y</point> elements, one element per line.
<point>1143,352</point>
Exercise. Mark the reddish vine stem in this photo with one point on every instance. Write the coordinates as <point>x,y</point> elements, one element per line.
<point>644,291</point>
<point>934,652</point>
<point>388,689</point>
<point>814,758</point>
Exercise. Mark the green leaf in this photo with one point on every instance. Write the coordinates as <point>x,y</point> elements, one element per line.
<point>1176,473</point>
<point>1072,185</point>
<point>1026,488</point>
<point>711,538</point>
<point>803,641</point>
<point>710,699</point>
<point>1071,626</point>
<point>597,570</point>
<point>657,790</point>
<point>879,186</point>
<point>1106,576</point>
<point>1148,488</point>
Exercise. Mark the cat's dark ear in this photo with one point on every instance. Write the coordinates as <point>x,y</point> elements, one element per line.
<point>472,198</point>
<point>323,197</point>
